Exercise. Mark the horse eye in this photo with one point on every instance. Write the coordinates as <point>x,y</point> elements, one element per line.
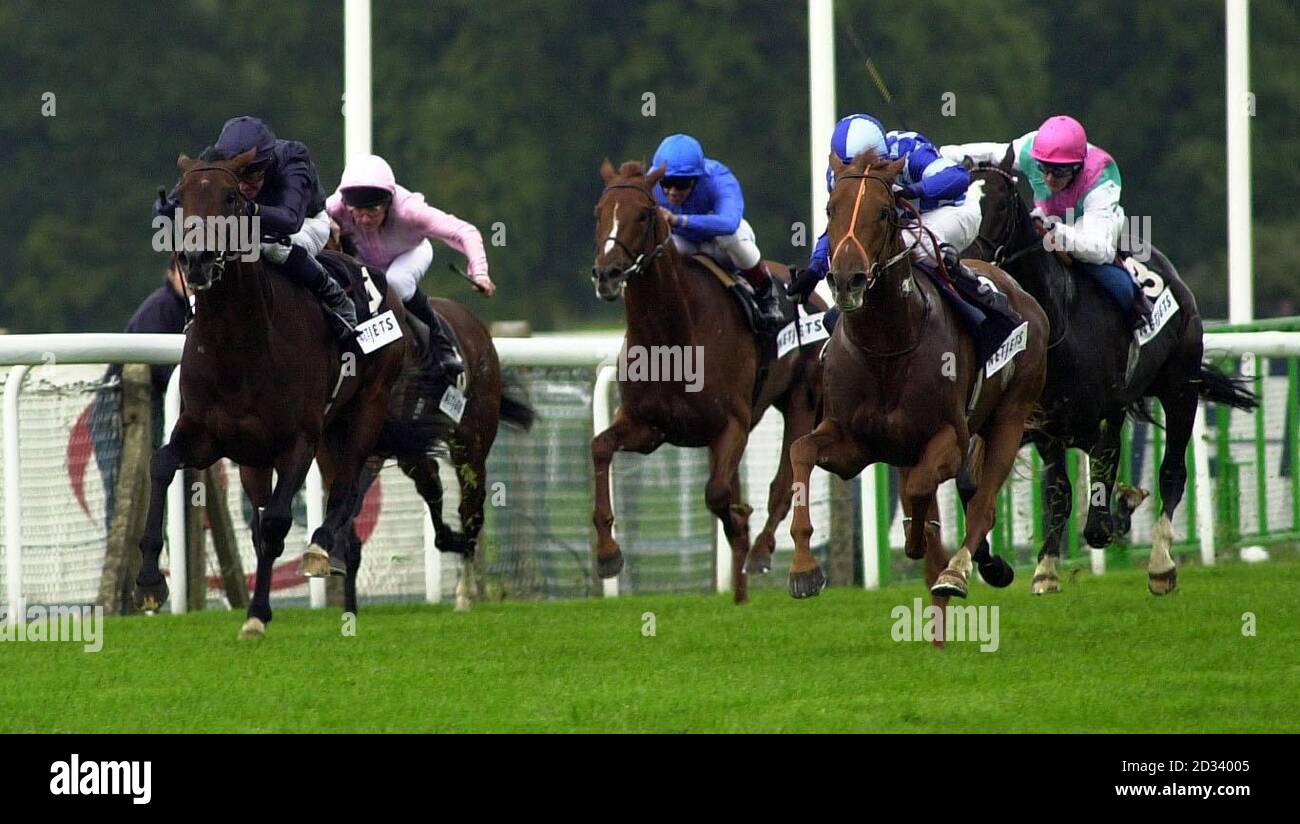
<point>884,213</point>
<point>230,198</point>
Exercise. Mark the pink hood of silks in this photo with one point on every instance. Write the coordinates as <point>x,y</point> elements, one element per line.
<point>409,221</point>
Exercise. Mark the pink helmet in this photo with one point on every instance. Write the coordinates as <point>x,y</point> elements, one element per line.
<point>1060,139</point>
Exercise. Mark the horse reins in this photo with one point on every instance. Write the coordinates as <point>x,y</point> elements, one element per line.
<point>641,260</point>
<point>876,267</point>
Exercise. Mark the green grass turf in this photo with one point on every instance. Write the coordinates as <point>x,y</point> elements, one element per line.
<point>1102,656</point>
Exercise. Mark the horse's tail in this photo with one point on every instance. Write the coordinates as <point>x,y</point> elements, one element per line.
<point>515,407</point>
<point>409,438</point>
<point>1221,388</point>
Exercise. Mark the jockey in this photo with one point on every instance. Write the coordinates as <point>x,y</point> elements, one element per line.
<point>284,190</point>
<point>391,227</point>
<point>945,197</point>
<point>1070,176</point>
<point>702,202</point>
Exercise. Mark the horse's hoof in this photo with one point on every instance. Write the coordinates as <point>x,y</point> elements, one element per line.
<point>807,584</point>
<point>1163,583</point>
<point>252,628</point>
<point>950,583</point>
<point>609,567</point>
<point>758,563</point>
<point>338,566</point>
<point>1098,533</point>
<point>315,562</point>
<point>151,597</point>
<point>996,572</point>
<point>1045,584</point>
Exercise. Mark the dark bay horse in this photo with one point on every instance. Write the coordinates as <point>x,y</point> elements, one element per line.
<point>901,386</point>
<point>489,400</point>
<point>672,301</point>
<point>260,369</point>
<point>1086,396</point>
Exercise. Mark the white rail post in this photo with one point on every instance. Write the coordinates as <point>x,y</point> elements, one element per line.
<point>1204,496</point>
<point>870,536</point>
<point>356,79</point>
<point>1241,301</point>
<point>13,497</point>
<point>177,559</point>
<point>821,112</point>
<point>432,562</point>
<point>315,517</point>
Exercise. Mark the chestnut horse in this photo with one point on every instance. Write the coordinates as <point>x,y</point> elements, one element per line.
<point>673,301</point>
<point>265,383</point>
<point>901,386</point>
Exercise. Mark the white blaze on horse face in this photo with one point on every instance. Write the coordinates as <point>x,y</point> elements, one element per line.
<point>613,233</point>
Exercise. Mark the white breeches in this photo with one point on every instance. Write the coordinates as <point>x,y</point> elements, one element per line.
<point>405,271</point>
<point>955,225</point>
<point>313,235</point>
<point>739,250</point>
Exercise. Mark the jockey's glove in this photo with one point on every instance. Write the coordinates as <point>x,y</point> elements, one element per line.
<point>802,283</point>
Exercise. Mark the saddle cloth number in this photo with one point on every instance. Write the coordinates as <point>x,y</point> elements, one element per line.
<point>378,332</point>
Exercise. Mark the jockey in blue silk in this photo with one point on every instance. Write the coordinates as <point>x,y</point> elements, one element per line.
<point>949,204</point>
<point>937,186</point>
<point>283,189</point>
<point>702,202</point>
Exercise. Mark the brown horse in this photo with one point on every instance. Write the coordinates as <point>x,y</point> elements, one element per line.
<point>489,400</point>
<point>900,381</point>
<point>265,383</point>
<point>675,302</point>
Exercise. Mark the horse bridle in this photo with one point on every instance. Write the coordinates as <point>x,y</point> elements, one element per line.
<point>640,260</point>
<point>219,263</point>
<point>876,269</point>
<point>1000,257</point>
<point>999,249</point>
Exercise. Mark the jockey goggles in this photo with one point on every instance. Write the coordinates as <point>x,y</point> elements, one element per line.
<point>1059,169</point>
<point>677,183</point>
<point>366,197</point>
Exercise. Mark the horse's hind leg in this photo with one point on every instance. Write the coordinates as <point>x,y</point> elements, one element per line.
<point>188,446</point>
<point>352,545</point>
<point>799,417</point>
<point>1057,504</point>
<point>1103,465</point>
<point>624,434</point>
<point>471,473</point>
<point>722,496</point>
<point>1180,412</point>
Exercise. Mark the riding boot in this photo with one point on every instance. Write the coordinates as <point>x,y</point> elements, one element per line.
<point>305,270</point>
<point>447,359</point>
<point>770,316</point>
<point>1000,320</point>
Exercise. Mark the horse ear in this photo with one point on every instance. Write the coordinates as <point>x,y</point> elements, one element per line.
<point>655,175</point>
<point>837,165</point>
<point>184,163</point>
<point>607,172</point>
<point>238,162</point>
<point>892,170</point>
<point>968,163</point>
<point>1009,161</point>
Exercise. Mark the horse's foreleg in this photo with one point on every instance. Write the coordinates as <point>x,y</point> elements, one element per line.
<point>799,416</point>
<point>1180,412</point>
<point>1057,504</point>
<point>1103,465</point>
<point>924,540</point>
<point>274,523</point>
<point>471,472</point>
<point>342,467</point>
<point>941,460</point>
<point>188,446</point>
<point>624,434</point>
<point>806,576</point>
<point>352,541</point>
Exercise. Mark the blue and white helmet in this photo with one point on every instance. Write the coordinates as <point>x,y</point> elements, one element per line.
<point>853,135</point>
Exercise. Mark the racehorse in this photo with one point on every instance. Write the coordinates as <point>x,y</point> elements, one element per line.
<point>265,383</point>
<point>1086,396</point>
<point>674,301</point>
<point>488,401</point>
<point>903,385</point>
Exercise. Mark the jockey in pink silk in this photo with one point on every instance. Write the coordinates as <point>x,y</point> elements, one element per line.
<point>391,227</point>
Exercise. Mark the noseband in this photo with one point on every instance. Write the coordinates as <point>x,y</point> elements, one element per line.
<point>641,260</point>
<point>876,267</point>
